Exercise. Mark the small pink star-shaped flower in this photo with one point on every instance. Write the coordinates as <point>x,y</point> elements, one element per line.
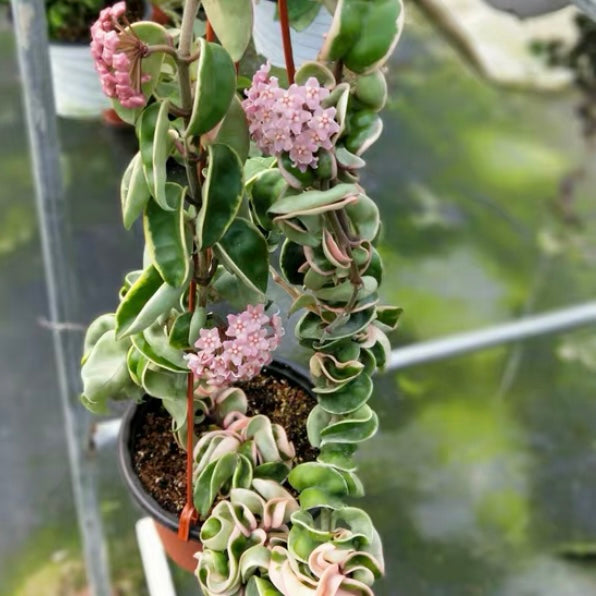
<point>238,326</point>
<point>262,75</point>
<point>314,93</point>
<point>291,98</point>
<point>209,340</point>
<point>321,139</point>
<point>282,140</point>
<point>302,152</point>
<point>296,119</point>
<point>233,351</point>
<point>323,121</point>
<point>257,314</point>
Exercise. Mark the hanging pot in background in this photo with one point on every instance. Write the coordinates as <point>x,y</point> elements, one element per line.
<point>267,35</point>
<point>77,89</point>
<point>528,8</point>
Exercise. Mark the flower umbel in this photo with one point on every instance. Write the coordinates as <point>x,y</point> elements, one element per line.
<point>289,120</point>
<point>241,352</point>
<point>117,52</point>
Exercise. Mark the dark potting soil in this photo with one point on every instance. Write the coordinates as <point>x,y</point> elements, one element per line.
<point>285,404</point>
<point>160,463</point>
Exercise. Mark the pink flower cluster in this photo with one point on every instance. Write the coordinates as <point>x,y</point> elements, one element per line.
<point>110,46</point>
<point>289,120</point>
<point>250,338</point>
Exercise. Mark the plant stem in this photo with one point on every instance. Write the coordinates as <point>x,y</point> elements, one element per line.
<point>339,231</point>
<point>343,239</point>
<point>292,292</point>
<point>338,71</point>
<point>284,22</point>
<point>177,111</point>
<point>186,28</point>
<point>166,49</point>
<point>345,225</point>
<point>204,262</point>
<point>341,224</point>
<point>184,46</point>
<point>189,514</point>
<point>325,519</point>
<point>206,270</point>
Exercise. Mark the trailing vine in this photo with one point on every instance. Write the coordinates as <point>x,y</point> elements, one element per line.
<point>278,168</point>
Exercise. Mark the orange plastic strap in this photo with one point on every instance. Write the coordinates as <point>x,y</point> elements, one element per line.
<point>188,518</point>
<point>189,515</point>
<point>209,34</point>
<point>286,38</point>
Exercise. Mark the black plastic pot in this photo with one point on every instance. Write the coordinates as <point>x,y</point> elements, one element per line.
<point>180,552</point>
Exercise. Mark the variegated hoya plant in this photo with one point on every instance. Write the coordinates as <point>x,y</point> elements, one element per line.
<point>236,184</point>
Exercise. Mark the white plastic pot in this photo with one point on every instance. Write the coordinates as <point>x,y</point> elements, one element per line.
<point>528,8</point>
<point>267,35</point>
<point>77,90</point>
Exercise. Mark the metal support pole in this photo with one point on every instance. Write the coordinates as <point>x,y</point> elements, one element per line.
<point>32,46</point>
<point>453,345</point>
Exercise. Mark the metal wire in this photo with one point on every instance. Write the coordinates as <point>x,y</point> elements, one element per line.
<point>454,345</point>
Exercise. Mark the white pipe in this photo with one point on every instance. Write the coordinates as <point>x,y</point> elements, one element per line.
<point>155,563</point>
<point>461,343</point>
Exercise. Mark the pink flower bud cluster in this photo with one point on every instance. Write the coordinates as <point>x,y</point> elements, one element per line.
<point>114,65</point>
<point>241,352</point>
<point>289,120</point>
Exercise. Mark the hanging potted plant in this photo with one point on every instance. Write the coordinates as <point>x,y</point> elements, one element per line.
<point>244,464</point>
<point>77,92</point>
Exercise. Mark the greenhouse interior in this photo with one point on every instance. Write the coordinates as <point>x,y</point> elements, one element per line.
<point>351,245</point>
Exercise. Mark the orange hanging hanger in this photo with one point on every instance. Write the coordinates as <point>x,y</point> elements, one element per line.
<point>286,39</point>
<point>209,34</point>
<point>189,516</point>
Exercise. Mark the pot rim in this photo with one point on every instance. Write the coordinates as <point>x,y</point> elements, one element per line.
<point>295,373</point>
